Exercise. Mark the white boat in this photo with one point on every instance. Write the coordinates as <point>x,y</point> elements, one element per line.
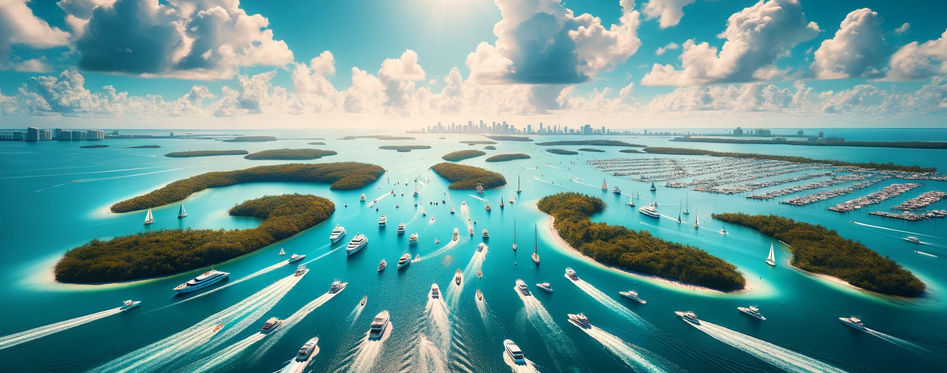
<point>653,188</point>
<point>382,265</point>
<point>616,190</point>
<point>570,273</point>
<point>270,325</point>
<point>723,230</point>
<point>301,270</point>
<point>481,246</point>
<point>486,235</point>
<point>282,252</point>
<point>400,229</point>
<point>456,235</point>
<point>753,312</point>
<point>413,239</point>
<point>382,221</point>
<point>688,316</point>
<point>337,286</point>
<point>363,301</point>
<point>458,277</point>
<point>362,198</point>
<point>182,213</point>
<point>912,239</point>
<point>479,188</point>
<point>514,352</point>
<point>853,322</point>
<point>202,281</point>
<point>337,233</point>
<point>771,258</point>
<point>487,207</point>
<point>356,244</point>
<point>535,255</point>
<point>404,261</point>
<point>129,304</point>
<point>149,217</point>
<point>379,324</point>
<point>296,257</point>
<point>545,286</point>
<point>580,320</point>
<point>435,292</point>
<point>633,295</point>
<point>479,295</point>
<point>522,288</point>
<point>307,351</point>
<point>469,228</point>
<point>650,211</point>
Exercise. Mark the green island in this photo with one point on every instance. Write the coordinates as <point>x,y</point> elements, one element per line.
<point>341,176</point>
<point>168,252</point>
<point>467,177</point>
<point>145,147</point>
<point>820,250</point>
<point>404,148</point>
<point>462,155</point>
<point>789,158</point>
<point>636,251</point>
<point>507,157</point>
<point>509,138</point>
<point>99,146</point>
<point>205,153</point>
<point>590,142</point>
<point>591,150</point>
<point>478,142</point>
<point>290,154</point>
<point>630,151</point>
<point>251,139</point>
<point>317,143</point>
<point>561,151</point>
<point>820,142</point>
<point>378,137</point>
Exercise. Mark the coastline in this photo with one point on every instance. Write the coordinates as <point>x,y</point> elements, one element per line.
<point>845,285</point>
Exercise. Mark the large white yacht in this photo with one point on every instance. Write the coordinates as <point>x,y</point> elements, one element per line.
<point>337,233</point>
<point>633,295</point>
<point>356,244</point>
<point>413,239</point>
<point>688,316</point>
<point>337,286</point>
<point>401,227</point>
<point>514,351</point>
<point>404,261</point>
<point>204,280</point>
<point>382,221</point>
<point>649,211</point>
<point>435,292</point>
<point>522,288</point>
<point>854,322</point>
<point>570,273</point>
<point>545,286</point>
<point>308,350</point>
<point>271,325</point>
<point>296,257</point>
<point>379,324</point>
<point>580,320</point>
<point>752,311</point>
<point>129,304</point>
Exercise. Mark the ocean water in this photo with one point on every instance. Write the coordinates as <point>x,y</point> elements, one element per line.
<point>55,197</point>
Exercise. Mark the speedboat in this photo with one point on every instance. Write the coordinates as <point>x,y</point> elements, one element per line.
<point>514,351</point>
<point>458,277</point>
<point>456,235</point>
<point>437,241</point>
<point>911,239</point>
<point>545,286</point>
<point>853,322</point>
<point>486,235</point>
<point>452,212</point>
<point>479,295</point>
<point>382,221</point>
<point>723,230</point>
<point>204,280</point>
<point>753,312</point>
<point>337,286</point>
<point>650,211</point>
<point>307,350</point>
<point>580,320</point>
<point>356,244</point>
<point>633,295</point>
<point>363,301</point>
<point>379,324</point>
<point>271,325</point>
<point>413,239</point>
<point>463,203</point>
<point>129,304</point>
<point>337,233</point>
<point>688,316</point>
<point>522,288</point>
<point>362,198</point>
<point>301,270</point>
<point>616,190</point>
<point>435,292</point>
<point>481,246</point>
<point>382,265</point>
<point>400,229</point>
<point>480,273</point>
<point>404,261</point>
<point>296,257</point>
<point>570,273</point>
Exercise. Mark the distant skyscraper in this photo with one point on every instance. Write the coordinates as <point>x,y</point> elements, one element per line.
<point>32,134</point>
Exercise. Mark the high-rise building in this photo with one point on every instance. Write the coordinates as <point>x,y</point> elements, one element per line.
<point>45,135</point>
<point>95,135</point>
<point>32,134</point>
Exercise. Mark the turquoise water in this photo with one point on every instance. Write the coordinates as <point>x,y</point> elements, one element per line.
<point>55,197</point>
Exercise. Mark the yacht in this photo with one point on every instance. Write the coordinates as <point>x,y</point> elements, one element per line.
<point>753,312</point>
<point>363,301</point>
<point>458,277</point>
<point>337,286</point>
<point>481,246</point>
<point>653,188</point>
<point>479,188</point>
<point>633,295</point>
<point>452,212</point>
<point>400,229</point>
<point>129,304</point>
<point>337,233</point>
<point>182,213</point>
<point>570,273</point>
<point>379,324</point>
<point>911,239</point>
<point>688,316</point>
<point>771,258</point>
<point>404,261</point>
<point>382,221</point>
<point>580,320</point>
<point>486,235</point>
<point>514,351</point>
<point>149,217</point>
<point>522,288</point>
<point>204,280</point>
<point>616,190</point>
<point>545,286</point>
<point>301,270</point>
<point>413,239</point>
<point>296,257</point>
<point>649,211</point>
<point>271,325</point>
<point>382,265</point>
<point>479,295</point>
<point>487,207</point>
<point>853,322</point>
<point>307,350</point>
<point>456,235</point>
<point>356,244</point>
<point>362,198</point>
<point>435,292</point>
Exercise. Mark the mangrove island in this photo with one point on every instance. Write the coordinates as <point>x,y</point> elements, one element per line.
<point>590,142</point>
<point>561,151</point>
<point>290,154</point>
<point>462,155</point>
<point>507,157</point>
<point>467,177</point>
<point>205,153</point>
<point>404,148</point>
<point>251,139</point>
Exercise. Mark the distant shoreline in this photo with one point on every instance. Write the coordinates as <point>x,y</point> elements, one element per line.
<point>863,144</point>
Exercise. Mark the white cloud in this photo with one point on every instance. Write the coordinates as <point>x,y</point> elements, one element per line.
<point>756,37</point>
<point>903,28</point>
<point>669,47</point>
<point>18,25</point>
<point>857,50</point>
<point>33,65</point>
<point>919,61</point>
<point>668,12</point>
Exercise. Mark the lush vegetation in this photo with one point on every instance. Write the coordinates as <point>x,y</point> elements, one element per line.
<point>378,137</point>
<point>596,150</point>
<point>507,157</point>
<point>145,147</point>
<point>205,153</point>
<point>590,142</point>
<point>821,250</point>
<point>561,151</point>
<point>93,146</point>
<point>467,177</point>
<point>462,155</point>
<point>509,138</point>
<point>342,176</point>
<point>636,251</point>
<point>290,154</point>
<point>823,142</point>
<point>404,148</point>
<point>251,139</point>
<point>167,252</point>
<point>478,142</point>
<point>879,166</point>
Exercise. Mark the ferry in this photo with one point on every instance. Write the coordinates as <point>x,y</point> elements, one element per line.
<point>337,233</point>
<point>522,288</point>
<point>363,301</point>
<point>458,277</point>
<point>337,286</point>
<point>570,273</point>
<point>382,221</point>
<point>486,235</point>
<point>650,211</point>
<point>182,213</point>
<point>204,280</point>
<point>456,236</point>
<point>296,257</point>
<point>688,316</point>
<point>149,217</point>
<point>129,304</point>
<point>356,244</point>
<point>853,322</point>
<point>545,286</point>
<point>653,188</point>
<point>382,265</point>
<point>404,261</point>
<point>514,351</point>
<point>481,246</point>
<point>400,229</point>
<point>301,270</point>
<point>271,325</point>
<point>912,239</point>
<point>435,292</point>
<point>753,312</point>
<point>580,320</point>
<point>616,190</point>
<point>308,350</point>
<point>362,198</point>
<point>379,324</point>
<point>487,207</point>
<point>633,295</point>
<point>479,295</point>
<point>413,239</point>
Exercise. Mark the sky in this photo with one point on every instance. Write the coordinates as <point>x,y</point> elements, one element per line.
<point>412,63</point>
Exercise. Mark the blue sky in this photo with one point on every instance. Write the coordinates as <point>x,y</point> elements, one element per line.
<point>768,63</point>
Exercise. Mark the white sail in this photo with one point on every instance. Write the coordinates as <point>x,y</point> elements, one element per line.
<point>604,185</point>
<point>282,252</point>
<point>182,212</point>
<point>697,221</point>
<point>518,184</point>
<point>514,235</point>
<point>149,218</point>
<point>771,258</point>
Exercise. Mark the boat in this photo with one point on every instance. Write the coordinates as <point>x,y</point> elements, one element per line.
<point>469,228</point>
<point>514,235</point>
<point>202,281</point>
<point>487,207</point>
<point>270,325</point>
<point>463,203</point>
<point>535,255</point>
<point>486,235</point>
<point>413,239</point>
<point>631,201</point>
<point>580,320</point>
<point>400,229</point>
<point>415,195</point>
<point>458,277</point>
<point>570,273</point>
<point>437,241</point>
<point>301,270</point>
<point>501,203</point>
<point>686,203</point>
<point>479,295</point>
<point>182,213</point>
<point>362,198</point>
<point>296,257</point>
<point>480,273</point>
<point>697,221</point>
<point>653,188</point>
<point>456,235</point>
<point>337,286</point>
<point>481,246</point>
<point>514,351</point>
<point>650,211</point>
<point>633,295</point>
<point>452,212</point>
<point>753,312</point>
<point>688,316</point>
<point>337,233</point>
<point>382,221</point>
<point>512,201</point>
<point>479,188</point>
<point>771,258</point>
<point>356,244</point>
<point>604,185</point>
<point>522,288</point>
<point>435,292</point>
<point>616,190</point>
<point>912,239</point>
<point>379,324</point>
<point>363,301</point>
<point>382,265</point>
<point>149,217</point>
<point>518,191</point>
<point>545,286</point>
<point>404,261</point>
<point>129,304</point>
<point>282,252</point>
<point>723,230</point>
<point>854,322</point>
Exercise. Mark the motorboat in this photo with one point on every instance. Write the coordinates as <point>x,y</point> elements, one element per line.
<point>404,261</point>
<point>688,316</point>
<point>570,273</point>
<point>382,265</point>
<point>363,301</point>
<point>437,241</point>
<point>486,235</point>
<point>912,239</point>
<point>545,286</point>
<point>182,213</point>
<point>650,211</point>
<point>308,350</point>
<point>480,273</point>
<point>469,228</point>
<point>522,288</point>
<point>382,221</point>
<point>481,246</point>
<point>479,295</point>
<point>202,281</point>
<point>633,295</point>
<point>356,244</point>
<point>400,229</point>
<point>854,322</point>
<point>413,239</point>
<point>580,320</point>
<point>296,257</point>
<point>362,198</point>
<point>301,270</point>
<point>129,304</point>
<point>458,277</point>
<point>337,233</point>
<point>435,292</point>
<point>149,217</point>
<point>616,190</point>
<point>379,325</point>
<point>487,207</point>
<point>753,312</point>
<point>452,212</point>
<point>514,351</point>
<point>270,325</point>
<point>337,286</point>
<point>456,236</point>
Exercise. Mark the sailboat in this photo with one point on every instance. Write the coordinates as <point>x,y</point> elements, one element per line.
<point>686,203</point>
<point>501,202</point>
<point>182,213</point>
<point>512,201</point>
<point>697,221</point>
<point>631,200</point>
<point>514,235</point>
<point>604,185</point>
<point>653,188</point>
<point>282,252</point>
<point>771,258</point>
<point>679,220</point>
<point>149,218</point>
<point>518,190</point>
<point>535,255</point>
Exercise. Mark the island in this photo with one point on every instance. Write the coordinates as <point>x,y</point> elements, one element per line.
<point>205,153</point>
<point>788,158</point>
<point>490,147</point>
<point>595,150</point>
<point>590,142</point>
<point>462,155</point>
<point>478,142</point>
<point>145,147</point>
<point>99,146</point>
<point>378,137</point>
<point>404,148</point>
<point>317,143</point>
<point>290,154</point>
<point>636,251</point>
<point>507,157</point>
<point>509,138</point>
<point>561,151</point>
<point>251,139</point>
<point>341,176</point>
<point>468,177</point>
<point>820,250</point>
<point>168,252</point>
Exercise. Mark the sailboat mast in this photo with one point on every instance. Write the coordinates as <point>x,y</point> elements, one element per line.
<point>535,239</point>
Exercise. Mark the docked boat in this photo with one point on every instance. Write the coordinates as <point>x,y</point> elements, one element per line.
<point>337,286</point>
<point>382,265</point>
<point>633,295</point>
<point>270,325</point>
<point>570,273</point>
<point>456,236</point>
<point>296,257</point>
<point>650,211</point>
<point>545,286</point>
<point>356,244</point>
<point>514,352</point>
<point>535,255</point>
<point>481,246</point>
<point>912,239</point>
<point>202,281</point>
<point>435,292</point>
<point>382,221</point>
<point>337,233</point>
<point>522,288</point>
<point>282,252</point>
<point>129,304</point>
<point>458,277</point>
<point>487,207</point>
<point>688,316</point>
<point>404,261</point>
<point>400,229</point>
<point>771,258</point>
<point>182,213</point>
<point>363,301</point>
<point>580,320</point>
<point>653,188</point>
<point>616,190</point>
<point>452,212</point>
<point>413,239</point>
<point>308,350</point>
<point>479,295</point>
<point>301,270</point>
<point>853,322</point>
<point>486,235</point>
<point>362,198</point>
<point>752,311</point>
<point>379,324</point>
<point>149,217</point>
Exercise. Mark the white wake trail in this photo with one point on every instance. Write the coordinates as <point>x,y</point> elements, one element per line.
<point>892,229</point>
<point>607,301</point>
<point>223,356</point>
<point>436,253</point>
<point>637,358</point>
<point>898,341</point>
<point>42,331</point>
<point>557,343</point>
<point>292,320</point>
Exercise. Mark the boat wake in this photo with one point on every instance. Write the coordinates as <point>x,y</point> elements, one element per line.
<point>224,356</point>
<point>438,252</point>
<point>898,341</point>
<point>377,199</point>
<point>539,179</point>
<point>558,345</point>
<point>892,229</point>
<point>470,271</point>
<point>126,176</point>
<point>529,367</point>
<point>42,331</point>
<point>579,181</point>
<point>368,351</point>
<point>607,301</point>
<point>291,321</point>
<point>477,197</point>
<point>356,312</point>
<point>435,337</point>
<point>638,358</point>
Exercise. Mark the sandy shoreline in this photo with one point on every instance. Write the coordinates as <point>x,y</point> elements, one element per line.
<point>844,284</point>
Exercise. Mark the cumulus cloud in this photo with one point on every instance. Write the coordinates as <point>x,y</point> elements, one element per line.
<point>669,47</point>
<point>668,12</point>
<point>903,28</point>
<point>18,25</point>
<point>919,61</point>
<point>755,38</point>
<point>857,50</point>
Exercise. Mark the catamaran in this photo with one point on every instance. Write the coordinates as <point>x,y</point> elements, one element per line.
<point>771,258</point>
<point>182,213</point>
<point>535,255</point>
<point>149,217</point>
